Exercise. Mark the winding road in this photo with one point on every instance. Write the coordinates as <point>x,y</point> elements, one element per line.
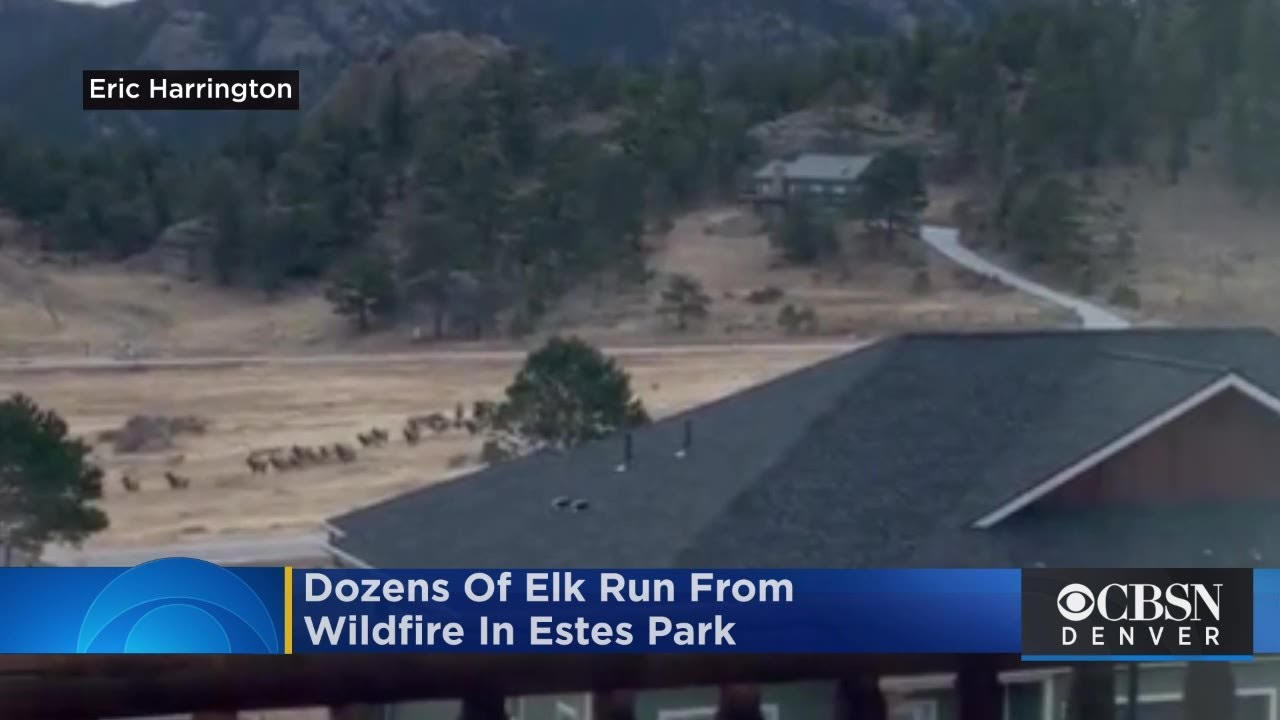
<point>278,549</point>
<point>947,241</point>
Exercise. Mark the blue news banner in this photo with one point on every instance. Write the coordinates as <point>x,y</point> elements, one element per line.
<point>181,605</point>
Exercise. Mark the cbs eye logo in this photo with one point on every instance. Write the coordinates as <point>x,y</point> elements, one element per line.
<point>1075,602</point>
<point>178,605</point>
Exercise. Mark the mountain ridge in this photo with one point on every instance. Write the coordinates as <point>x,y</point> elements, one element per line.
<point>44,44</point>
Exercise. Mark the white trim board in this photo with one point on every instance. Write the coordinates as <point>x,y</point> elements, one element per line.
<point>347,557</point>
<point>1228,382</point>
<point>770,711</point>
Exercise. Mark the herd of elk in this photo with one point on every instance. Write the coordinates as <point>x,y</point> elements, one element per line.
<point>262,461</point>
<point>176,482</point>
<point>297,457</point>
<point>376,437</point>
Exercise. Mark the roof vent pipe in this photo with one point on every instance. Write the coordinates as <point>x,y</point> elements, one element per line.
<point>626,454</point>
<point>686,444</point>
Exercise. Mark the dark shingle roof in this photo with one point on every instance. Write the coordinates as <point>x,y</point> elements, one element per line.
<point>881,457</point>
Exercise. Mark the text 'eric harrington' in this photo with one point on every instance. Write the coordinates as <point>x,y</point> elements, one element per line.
<point>191,90</point>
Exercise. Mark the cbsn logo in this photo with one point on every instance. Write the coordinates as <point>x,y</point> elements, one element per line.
<point>1124,605</point>
<point>1137,613</point>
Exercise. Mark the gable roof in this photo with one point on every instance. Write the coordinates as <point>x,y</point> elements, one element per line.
<point>818,166</point>
<point>1229,382</point>
<point>885,456</point>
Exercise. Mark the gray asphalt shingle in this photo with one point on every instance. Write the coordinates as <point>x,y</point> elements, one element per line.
<point>881,457</point>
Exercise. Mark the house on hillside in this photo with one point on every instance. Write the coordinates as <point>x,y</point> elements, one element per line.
<point>1117,448</point>
<point>827,178</point>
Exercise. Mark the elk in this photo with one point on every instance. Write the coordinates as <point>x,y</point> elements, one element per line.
<point>435,421</point>
<point>411,434</point>
<point>344,453</point>
<point>278,463</point>
<point>483,411</point>
<point>256,464</point>
<point>459,414</point>
<point>177,482</point>
<point>299,455</point>
<point>130,485</point>
<point>379,436</point>
<point>365,440</point>
<point>323,453</point>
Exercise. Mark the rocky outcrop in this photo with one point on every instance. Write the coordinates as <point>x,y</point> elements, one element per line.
<point>181,251</point>
<point>428,66</point>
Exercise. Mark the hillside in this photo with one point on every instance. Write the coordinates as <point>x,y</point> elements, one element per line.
<point>44,44</point>
<point>54,309</point>
<point>462,184</point>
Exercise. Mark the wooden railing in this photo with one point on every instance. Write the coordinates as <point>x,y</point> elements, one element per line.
<point>80,687</point>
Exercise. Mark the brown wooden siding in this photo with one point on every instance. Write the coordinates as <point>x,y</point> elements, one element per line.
<point>1226,449</point>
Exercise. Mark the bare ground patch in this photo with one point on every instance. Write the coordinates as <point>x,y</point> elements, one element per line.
<point>96,309</point>
<point>1201,255</point>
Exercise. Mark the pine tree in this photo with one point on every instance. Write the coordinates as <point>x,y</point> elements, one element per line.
<point>568,393</point>
<point>365,290</point>
<point>229,205</point>
<point>1178,82</point>
<point>47,484</point>
<point>1043,222</point>
<point>805,235</point>
<point>891,192</point>
<point>1253,131</point>
<point>684,301</point>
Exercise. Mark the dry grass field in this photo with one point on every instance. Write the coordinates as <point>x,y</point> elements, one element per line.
<point>1201,256</point>
<point>54,312</point>
<point>728,251</point>
<point>91,310</point>
<point>282,404</point>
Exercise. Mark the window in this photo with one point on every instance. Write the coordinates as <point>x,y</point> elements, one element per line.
<point>769,710</point>
<point>914,710</point>
<point>837,189</point>
<point>565,711</point>
<point>1251,704</point>
<point>1027,700</point>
